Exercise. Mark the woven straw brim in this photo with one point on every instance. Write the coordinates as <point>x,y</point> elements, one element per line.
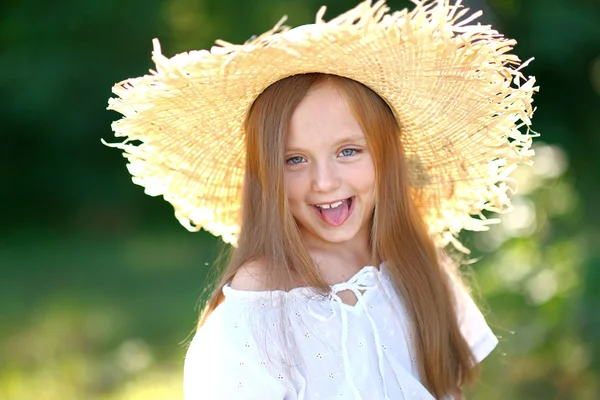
<point>453,86</point>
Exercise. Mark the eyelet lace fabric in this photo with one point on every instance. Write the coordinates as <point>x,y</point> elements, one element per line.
<point>341,351</point>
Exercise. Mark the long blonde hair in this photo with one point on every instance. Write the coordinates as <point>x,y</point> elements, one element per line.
<point>270,236</point>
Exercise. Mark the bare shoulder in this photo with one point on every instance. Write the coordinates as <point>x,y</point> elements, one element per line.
<point>250,276</point>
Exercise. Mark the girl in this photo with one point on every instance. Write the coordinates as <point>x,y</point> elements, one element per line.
<point>340,158</point>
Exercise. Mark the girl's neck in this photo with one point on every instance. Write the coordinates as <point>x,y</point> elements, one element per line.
<point>337,262</point>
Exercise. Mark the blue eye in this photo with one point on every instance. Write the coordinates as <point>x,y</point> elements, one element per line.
<point>348,152</point>
<point>294,160</point>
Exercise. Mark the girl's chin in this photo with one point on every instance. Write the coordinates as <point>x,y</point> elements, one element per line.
<point>332,234</point>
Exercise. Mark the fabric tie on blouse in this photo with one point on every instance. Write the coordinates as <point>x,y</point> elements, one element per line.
<point>365,279</point>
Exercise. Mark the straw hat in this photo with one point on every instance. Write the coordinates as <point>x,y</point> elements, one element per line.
<point>455,89</point>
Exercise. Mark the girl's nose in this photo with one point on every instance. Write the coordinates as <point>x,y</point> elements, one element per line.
<point>325,178</point>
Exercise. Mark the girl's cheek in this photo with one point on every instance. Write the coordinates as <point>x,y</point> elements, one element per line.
<point>296,178</point>
<point>293,186</point>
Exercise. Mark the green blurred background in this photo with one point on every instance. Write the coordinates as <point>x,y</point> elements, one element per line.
<point>99,283</point>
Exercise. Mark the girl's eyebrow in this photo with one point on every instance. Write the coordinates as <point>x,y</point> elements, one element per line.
<point>346,140</point>
<point>350,139</point>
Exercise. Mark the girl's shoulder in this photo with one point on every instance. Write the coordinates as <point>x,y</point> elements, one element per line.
<point>250,277</point>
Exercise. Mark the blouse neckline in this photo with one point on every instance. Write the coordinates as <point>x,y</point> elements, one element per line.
<point>360,275</point>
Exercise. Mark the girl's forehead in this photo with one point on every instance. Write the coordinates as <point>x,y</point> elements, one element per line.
<point>323,117</point>
<point>322,94</point>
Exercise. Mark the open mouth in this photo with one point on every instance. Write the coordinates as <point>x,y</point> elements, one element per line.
<point>337,212</point>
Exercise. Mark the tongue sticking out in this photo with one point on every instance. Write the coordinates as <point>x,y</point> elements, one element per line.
<point>336,216</point>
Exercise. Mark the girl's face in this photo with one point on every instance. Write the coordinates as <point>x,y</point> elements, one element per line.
<point>329,171</point>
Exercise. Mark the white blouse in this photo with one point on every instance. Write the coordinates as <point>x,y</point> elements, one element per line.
<point>342,351</point>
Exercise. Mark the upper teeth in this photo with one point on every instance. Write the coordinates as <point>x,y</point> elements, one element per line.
<point>333,205</point>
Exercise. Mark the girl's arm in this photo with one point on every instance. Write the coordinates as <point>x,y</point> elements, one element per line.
<point>473,325</point>
<point>223,363</point>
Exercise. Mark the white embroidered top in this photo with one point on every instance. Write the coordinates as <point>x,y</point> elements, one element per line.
<point>343,351</point>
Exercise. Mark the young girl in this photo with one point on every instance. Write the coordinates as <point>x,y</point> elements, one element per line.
<point>340,158</point>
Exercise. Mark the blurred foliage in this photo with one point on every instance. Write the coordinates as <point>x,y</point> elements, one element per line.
<point>99,282</point>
